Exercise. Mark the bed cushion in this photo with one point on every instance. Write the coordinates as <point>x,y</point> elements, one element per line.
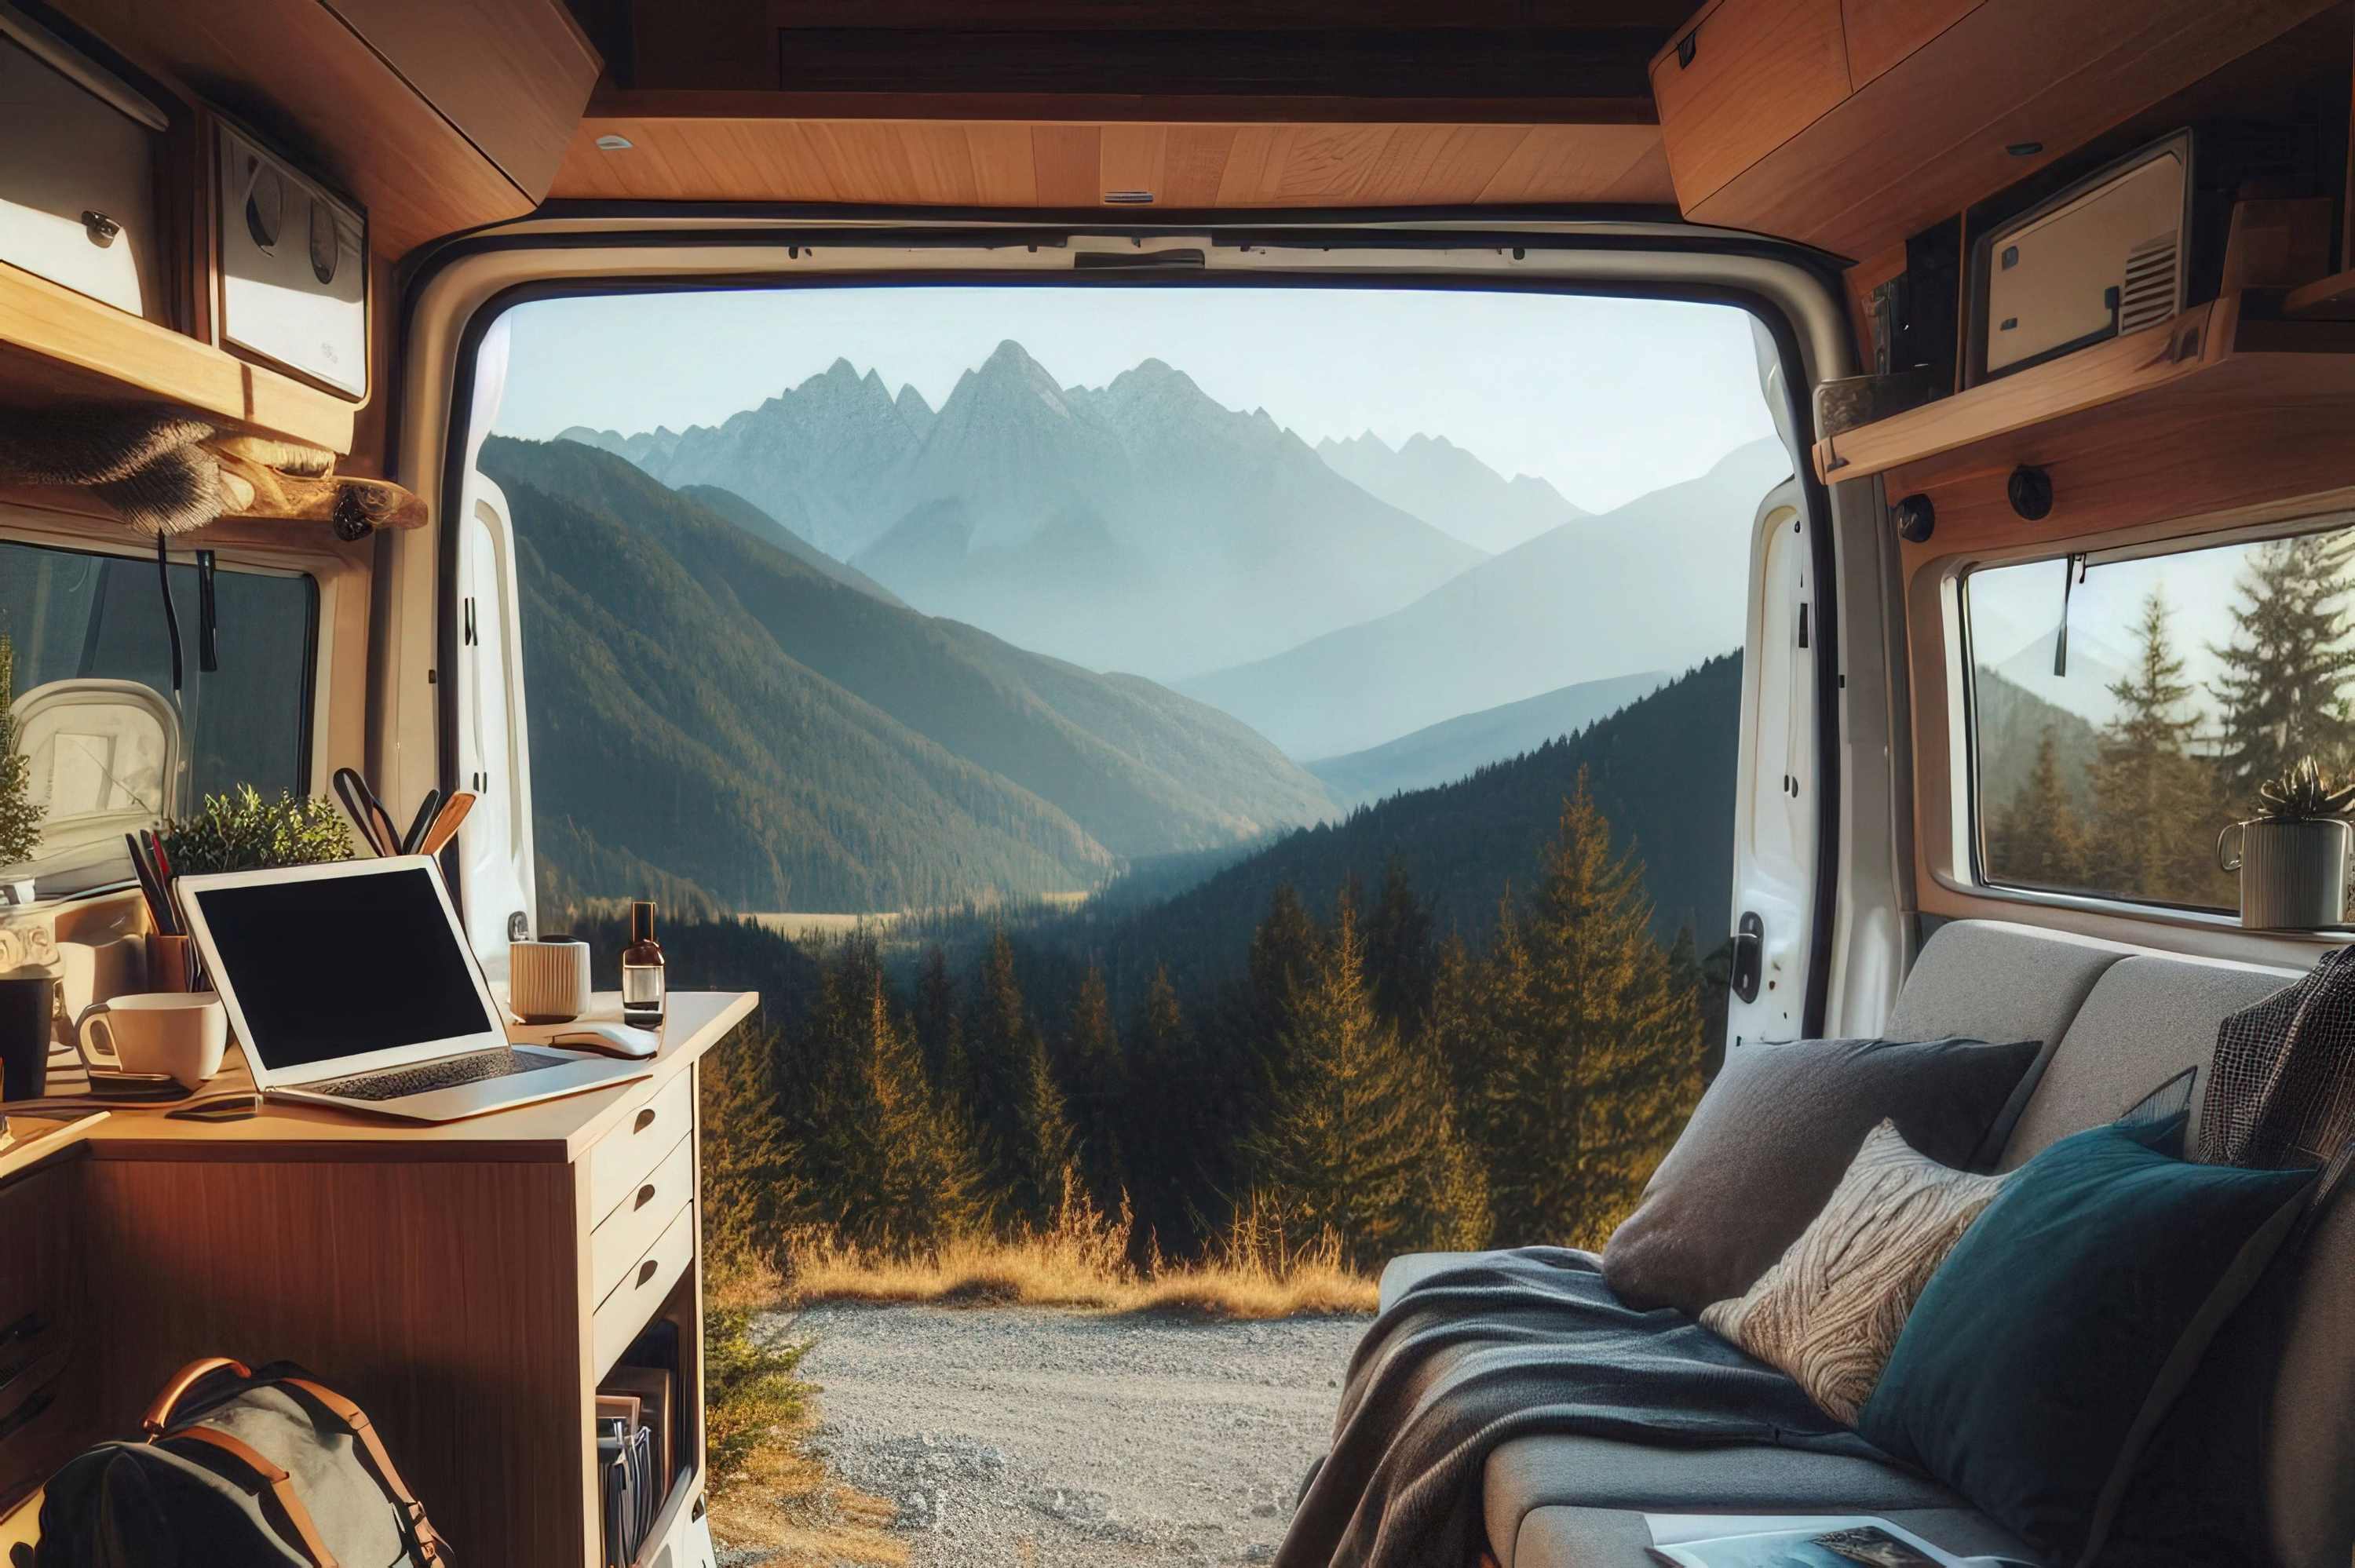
<point>1773,1137</point>
<point>2043,1356</point>
<point>1534,1473</point>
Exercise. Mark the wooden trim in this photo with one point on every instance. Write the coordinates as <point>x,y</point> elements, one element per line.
<point>1074,109</point>
<point>56,342</point>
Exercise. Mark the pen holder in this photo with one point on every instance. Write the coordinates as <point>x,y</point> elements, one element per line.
<point>171,963</point>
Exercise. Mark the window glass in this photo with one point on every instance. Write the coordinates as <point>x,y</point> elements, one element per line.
<point>2126,710</point>
<point>110,748</point>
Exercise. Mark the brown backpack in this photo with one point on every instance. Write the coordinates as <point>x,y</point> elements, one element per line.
<point>239,1467</point>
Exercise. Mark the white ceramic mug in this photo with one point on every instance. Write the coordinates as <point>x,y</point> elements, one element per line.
<point>547,981</point>
<point>181,1034</point>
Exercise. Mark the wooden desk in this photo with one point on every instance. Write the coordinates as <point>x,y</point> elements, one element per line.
<point>467,1284</point>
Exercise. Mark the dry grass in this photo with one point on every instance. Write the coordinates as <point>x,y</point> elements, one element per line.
<point>778,1497</point>
<point>1082,1261</point>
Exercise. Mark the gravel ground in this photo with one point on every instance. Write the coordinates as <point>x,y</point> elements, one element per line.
<point>1026,1436</point>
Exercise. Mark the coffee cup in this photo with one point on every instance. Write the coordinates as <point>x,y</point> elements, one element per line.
<point>174,1034</point>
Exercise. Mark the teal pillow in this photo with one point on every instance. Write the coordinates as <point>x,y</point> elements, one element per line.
<point>2047,1347</point>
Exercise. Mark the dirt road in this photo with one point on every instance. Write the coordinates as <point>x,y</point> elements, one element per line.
<point>1026,1436</point>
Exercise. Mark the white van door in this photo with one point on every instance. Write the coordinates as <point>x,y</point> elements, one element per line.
<point>1775,832</point>
<point>494,858</point>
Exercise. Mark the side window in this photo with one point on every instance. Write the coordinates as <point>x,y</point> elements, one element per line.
<point>2125,707</point>
<point>112,746</point>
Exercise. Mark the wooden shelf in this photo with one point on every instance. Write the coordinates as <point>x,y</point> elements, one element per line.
<point>55,343</point>
<point>2231,410</point>
<point>2235,353</point>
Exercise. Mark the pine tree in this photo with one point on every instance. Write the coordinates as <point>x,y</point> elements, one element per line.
<point>1000,1037</point>
<point>750,1170</point>
<point>1045,1145</point>
<point>20,817</point>
<point>2285,672</point>
<point>2153,806</point>
<point>900,1165</point>
<point>1091,1056</point>
<point>1165,1127</point>
<point>1399,955</point>
<point>2038,838</point>
<point>1603,1065</point>
<point>1361,1141</point>
<point>938,1030</point>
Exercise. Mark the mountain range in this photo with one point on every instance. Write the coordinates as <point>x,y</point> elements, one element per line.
<point>1454,747</point>
<point>1449,489</point>
<point>716,715</point>
<point>1139,525</point>
<point>1657,583</point>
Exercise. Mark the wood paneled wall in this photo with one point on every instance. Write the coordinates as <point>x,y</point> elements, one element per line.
<point>992,164</point>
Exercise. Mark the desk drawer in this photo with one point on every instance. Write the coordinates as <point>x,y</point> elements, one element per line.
<point>37,1408</point>
<point>618,1162</point>
<point>631,1305</point>
<point>642,1216</point>
<point>40,1295</point>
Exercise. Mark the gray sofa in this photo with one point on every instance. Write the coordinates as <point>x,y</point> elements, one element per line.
<point>2124,1019</point>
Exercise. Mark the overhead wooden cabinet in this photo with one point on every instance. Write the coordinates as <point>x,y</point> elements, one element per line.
<point>1850,124</point>
<point>438,115</point>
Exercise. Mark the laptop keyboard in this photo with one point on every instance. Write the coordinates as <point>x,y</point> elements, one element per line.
<point>502,1062</point>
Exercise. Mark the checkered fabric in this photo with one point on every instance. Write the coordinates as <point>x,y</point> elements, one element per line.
<point>2282,1090</point>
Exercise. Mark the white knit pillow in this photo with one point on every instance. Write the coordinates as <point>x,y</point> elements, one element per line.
<point>1828,1313</point>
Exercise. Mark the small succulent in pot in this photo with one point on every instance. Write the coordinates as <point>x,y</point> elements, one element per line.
<point>2300,795</point>
<point>246,832</point>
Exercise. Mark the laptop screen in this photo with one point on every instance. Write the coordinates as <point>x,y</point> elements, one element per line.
<point>343,965</point>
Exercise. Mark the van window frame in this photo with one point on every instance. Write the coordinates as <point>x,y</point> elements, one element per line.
<point>1797,413</point>
<point>70,534</point>
<point>1965,702</point>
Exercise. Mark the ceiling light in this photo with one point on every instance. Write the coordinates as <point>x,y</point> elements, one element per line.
<point>610,143</point>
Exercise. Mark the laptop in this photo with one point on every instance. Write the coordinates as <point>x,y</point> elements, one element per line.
<point>351,985</point>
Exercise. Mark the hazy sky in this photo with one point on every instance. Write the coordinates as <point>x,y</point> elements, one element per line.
<point>1608,398</point>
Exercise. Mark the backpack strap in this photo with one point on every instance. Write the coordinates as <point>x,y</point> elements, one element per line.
<point>280,1485</point>
<point>431,1548</point>
<point>159,1413</point>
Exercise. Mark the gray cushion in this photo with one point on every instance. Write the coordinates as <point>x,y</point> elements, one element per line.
<point>1773,1137</point>
<point>1990,980</point>
<point>2146,1019</point>
<point>1609,1538</point>
<point>1403,1273</point>
<point>1534,1473</point>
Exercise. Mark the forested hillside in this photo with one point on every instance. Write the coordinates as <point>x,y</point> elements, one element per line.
<point>713,716</point>
<point>1662,769</point>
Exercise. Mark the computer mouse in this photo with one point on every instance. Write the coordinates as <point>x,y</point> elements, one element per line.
<point>609,1040</point>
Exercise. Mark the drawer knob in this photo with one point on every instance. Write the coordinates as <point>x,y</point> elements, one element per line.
<point>645,1196</point>
<point>648,1270</point>
<point>646,1119</point>
<point>100,229</point>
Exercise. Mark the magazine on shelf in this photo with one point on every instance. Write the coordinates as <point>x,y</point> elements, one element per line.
<point>1702,1541</point>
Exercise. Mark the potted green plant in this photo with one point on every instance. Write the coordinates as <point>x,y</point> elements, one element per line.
<point>20,814</point>
<point>243,831</point>
<point>2294,853</point>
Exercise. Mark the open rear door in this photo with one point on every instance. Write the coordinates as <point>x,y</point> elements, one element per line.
<point>1775,825</point>
<point>495,873</point>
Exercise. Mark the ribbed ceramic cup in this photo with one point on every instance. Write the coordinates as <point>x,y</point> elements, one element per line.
<point>547,981</point>
<point>2293,875</point>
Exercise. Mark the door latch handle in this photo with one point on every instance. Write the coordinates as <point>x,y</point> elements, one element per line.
<point>1749,955</point>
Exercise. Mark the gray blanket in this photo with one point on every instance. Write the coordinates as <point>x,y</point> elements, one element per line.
<point>1511,1345</point>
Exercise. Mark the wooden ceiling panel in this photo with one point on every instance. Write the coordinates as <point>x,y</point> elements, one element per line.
<point>1004,163</point>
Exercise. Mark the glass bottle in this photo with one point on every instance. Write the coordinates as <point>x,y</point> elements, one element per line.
<point>642,969</point>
